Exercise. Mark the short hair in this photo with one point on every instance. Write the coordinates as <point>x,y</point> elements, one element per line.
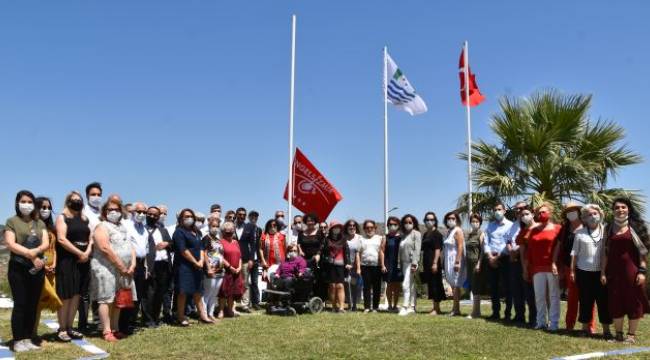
<point>111,200</point>
<point>230,212</point>
<point>416,225</point>
<point>584,211</point>
<point>459,222</point>
<point>499,203</point>
<point>547,204</point>
<point>94,185</point>
<point>214,207</point>
<point>154,208</point>
<point>476,216</point>
<point>310,216</point>
<point>393,219</point>
<point>34,214</point>
<point>240,209</point>
<point>198,214</point>
<point>253,213</point>
<point>435,221</point>
<point>351,222</point>
<point>228,225</point>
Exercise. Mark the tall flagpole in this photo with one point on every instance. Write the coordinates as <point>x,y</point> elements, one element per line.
<point>469,131</point>
<point>385,138</point>
<point>291,106</point>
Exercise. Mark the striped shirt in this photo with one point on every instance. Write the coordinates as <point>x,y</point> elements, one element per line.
<point>587,248</point>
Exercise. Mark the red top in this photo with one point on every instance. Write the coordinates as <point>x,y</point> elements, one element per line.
<point>231,252</point>
<point>540,244</point>
<point>273,247</point>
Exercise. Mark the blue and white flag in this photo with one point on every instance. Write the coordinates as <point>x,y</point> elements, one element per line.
<point>400,92</point>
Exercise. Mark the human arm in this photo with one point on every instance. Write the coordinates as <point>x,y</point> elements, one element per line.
<point>417,240</point>
<point>381,254</point>
<point>61,235</point>
<point>103,244</point>
<point>460,241</point>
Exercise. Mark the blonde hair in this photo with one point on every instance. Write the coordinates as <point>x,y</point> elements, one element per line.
<point>584,212</point>
<point>550,206</point>
<point>67,212</point>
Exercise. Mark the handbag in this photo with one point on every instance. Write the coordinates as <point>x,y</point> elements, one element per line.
<point>124,295</point>
<point>32,242</point>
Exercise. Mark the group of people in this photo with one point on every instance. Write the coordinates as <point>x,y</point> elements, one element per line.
<point>125,266</point>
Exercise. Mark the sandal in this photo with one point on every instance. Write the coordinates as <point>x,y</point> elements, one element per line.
<point>63,336</point>
<point>619,336</point>
<point>608,336</point>
<point>119,335</point>
<point>208,321</point>
<point>109,337</point>
<point>184,323</point>
<point>75,335</point>
<point>631,338</point>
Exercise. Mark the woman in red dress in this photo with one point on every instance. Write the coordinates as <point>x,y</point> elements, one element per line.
<point>232,287</point>
<point>272,247</point>
<point>623,268</point>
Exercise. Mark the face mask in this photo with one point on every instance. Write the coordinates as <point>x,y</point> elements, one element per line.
<point>621,220</point>
<point>25,209</point>
<point>593,220</point>
<point>544,217</point>
<point>393,227</point>
<point>188,222</point>
<point>292,255</point>
<point>139,218</point>
<point>95,201</point>
<point>152,221</point>
<point>527,219</point>
<point>45,214</point>
<point>299,227</point>
<point>114,216</point>
<point>227,234</point>
<point>429,224</point>
<point>76,204</point>
<point>162,219</point>
<point>214,231</point>
<point>408,227</point>
<point>199,224</point>
<point>498,215</point>
<point>280,221</point>
<point>476,225</point>
<point>336,231</point>
<point>572,216</point>
<point>451,224</point>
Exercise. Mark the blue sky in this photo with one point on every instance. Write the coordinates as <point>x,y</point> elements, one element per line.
<point>186,102</point>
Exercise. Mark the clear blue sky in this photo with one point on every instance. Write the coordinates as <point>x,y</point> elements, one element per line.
<point>186,102</point>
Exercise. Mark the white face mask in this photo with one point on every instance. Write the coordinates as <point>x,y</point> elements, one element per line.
<point>292,255</point>
<point>476,225</point>
<point>527,219</point>
<point>188,222</point>
<point>393,227</point>
<point>621,220</point>
<point>451,224</point>
<point>429,224</point>
<point>25,208</point>
<point>199,224</point>
<point>336,231</point>
<point>139,218</point>
<point>114,216</point>
<point>593,220</point>
<point>45,214</point>
<point>162,219</point>
<point>214,231</point>
<point>408,227</point>
<point>95,201</point>
<point>572,215</point>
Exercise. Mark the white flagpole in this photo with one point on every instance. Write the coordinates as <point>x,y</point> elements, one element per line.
<point>385,138</point>
<point>469,131</point>
<point>291,106</point>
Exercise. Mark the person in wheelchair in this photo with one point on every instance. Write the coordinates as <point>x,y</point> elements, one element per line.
<point>294,267</point>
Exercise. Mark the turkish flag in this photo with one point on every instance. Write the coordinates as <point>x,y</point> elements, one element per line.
<point>475,96</point>
<point>312,193</point>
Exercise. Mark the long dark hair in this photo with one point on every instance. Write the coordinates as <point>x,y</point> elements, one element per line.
<point>34,214</point>
<point>179,220</point>
<point>634,220</point>
<point>268,224</point>
<point>49,223</point>
<point>416,225</point>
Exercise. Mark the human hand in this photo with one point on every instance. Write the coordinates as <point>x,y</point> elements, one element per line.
<point>554,269</point>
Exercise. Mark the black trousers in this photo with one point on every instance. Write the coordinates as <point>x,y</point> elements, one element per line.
<point>518,290</point>
<point>26,291</point>
<point>590,291</point>
<point>532,305</point>
<point>128,317</point>
<point>156,289</point>
<point>500,277</point>
<point>371,281</point>
<point>254,291</point>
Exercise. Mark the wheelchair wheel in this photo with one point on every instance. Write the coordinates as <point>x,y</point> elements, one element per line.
<point>291,311</point>
<point>315,305</point>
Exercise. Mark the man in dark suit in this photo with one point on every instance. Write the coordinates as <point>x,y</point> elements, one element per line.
<point>248,237</point>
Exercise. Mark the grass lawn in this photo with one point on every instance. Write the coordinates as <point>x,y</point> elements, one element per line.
<point>349,336</point>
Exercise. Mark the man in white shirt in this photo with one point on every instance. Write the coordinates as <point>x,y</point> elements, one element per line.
<point>91,211</point>
<point>158,268</point>
<point>138,236</point>
<point>498,269</point>
<point>201,224</point>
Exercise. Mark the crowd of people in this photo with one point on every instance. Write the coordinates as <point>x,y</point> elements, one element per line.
<point>124,267</point>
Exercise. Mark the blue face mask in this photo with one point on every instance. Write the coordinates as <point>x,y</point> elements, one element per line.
<point>498,215</point>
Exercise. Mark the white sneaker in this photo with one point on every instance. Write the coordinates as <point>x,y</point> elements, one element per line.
<point>403,312</point>
<point>410,311</point>
<point>31,345</point>
<point>21,346</point>
<point>366,311</point>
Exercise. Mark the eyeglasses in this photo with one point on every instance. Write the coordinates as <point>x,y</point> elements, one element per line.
<point>141,211</point>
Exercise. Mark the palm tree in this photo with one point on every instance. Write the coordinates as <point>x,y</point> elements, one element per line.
<point>549,150</point>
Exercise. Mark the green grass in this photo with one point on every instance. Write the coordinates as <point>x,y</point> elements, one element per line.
<point>334,336</point>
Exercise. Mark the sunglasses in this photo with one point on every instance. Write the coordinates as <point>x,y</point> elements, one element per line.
<point>274,225</point>
<point>46,208</point>
<point>369,228</point>
<point>112,209</point>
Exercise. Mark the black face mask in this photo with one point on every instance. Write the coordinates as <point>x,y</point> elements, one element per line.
<point>76,205</point>
<point>152,221</point>
<point>227,234</point>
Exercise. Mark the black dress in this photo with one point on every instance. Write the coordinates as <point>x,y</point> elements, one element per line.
<point>432,241</point>
<point>73,277</point>
<point>311,245</point>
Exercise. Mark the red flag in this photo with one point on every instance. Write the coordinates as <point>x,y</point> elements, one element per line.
<point>475,96</point>
<point>312,193</point>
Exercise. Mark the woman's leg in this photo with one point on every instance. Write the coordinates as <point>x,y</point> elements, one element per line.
<point>367,282</point>
<point>331,288</point>
<point>633,326</point>
<point>539,283</point>
<point>200,306</point>
<point>180,307</point>
<point>573,298</point>
<point>115,316</point>
<point>456,306</point>
<point>106,318</point>
<point>376,287</point>
<point>207,299</point>
<point>340,291</point>
<point>406,286</point>
<point>554,297</point>
<point>74,305</point>
<point>62,314</point>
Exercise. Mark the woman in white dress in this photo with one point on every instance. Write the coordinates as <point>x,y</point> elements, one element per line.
<point>454,258</point>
